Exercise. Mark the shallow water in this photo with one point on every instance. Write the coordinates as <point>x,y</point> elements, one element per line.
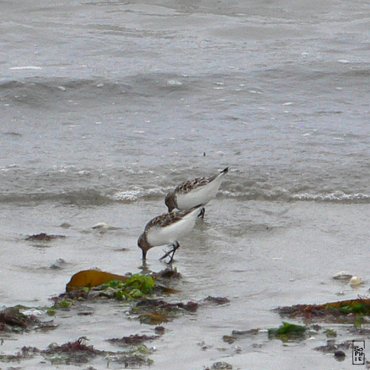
<point>108,105</point>
<point>270,254</point>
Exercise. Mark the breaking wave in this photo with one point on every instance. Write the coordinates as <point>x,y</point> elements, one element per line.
<point>94,187</point>
<point>92,197</point>
<point>337,196</point>
<point>281,195</point>
<point>43,91</point>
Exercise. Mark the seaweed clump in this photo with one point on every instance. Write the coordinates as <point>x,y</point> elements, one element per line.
<point>348,311</point>
<point>78,352</point>
<point>94,284</point>
<point>130,286</point>
<point>217,300</point>
<point>135,287</point>
<point>156,311</point>
<point>132,340</point>
<point>288,331</point>
<point>23,354</point>
<point>43,237</point>
<point>220,365</point>
<point>137,290</point>
<point>14,321</point>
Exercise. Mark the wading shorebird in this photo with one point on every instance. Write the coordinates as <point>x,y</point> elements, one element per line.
<point>198,191</point>
<point>167,229</point>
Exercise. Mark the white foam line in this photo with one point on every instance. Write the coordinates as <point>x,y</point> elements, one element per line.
<point>336,196</point>
<point>24,67</point>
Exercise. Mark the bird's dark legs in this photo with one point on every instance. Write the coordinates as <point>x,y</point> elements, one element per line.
<point>171,253</point>
<point>202,213</point>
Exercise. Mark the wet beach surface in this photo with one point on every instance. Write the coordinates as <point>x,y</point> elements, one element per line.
<point>279,254</point>
<point>106,106</point>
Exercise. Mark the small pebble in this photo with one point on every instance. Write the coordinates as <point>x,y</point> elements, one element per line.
<point>342,275</point>
<point>355,281</point>
<point>221,366</point>
<point>238,349</point>
<point>159,330</point>
<point>340,293</point>
<point>101,226</point>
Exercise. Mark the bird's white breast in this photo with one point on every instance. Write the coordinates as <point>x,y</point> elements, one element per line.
<point>171,233</point>
<point>201,195</point>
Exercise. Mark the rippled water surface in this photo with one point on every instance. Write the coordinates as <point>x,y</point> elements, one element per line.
<point>107,105</point>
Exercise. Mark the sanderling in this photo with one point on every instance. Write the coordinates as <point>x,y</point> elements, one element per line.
<point>167,229</point>
<point>191,193</point>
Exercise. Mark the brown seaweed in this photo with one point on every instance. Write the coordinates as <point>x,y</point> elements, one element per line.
<point>217,300</point>
<point>14,321</point>
<point>43,237</point>
<point>132,340</point>
<point>346,311</point>
<point>156,311</point>
<point>78,352</point>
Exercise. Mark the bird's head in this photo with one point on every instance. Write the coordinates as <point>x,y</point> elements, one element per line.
<point>170,201</point>
<point>142,243</point>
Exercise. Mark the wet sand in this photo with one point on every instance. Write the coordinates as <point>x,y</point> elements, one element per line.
<point>268,254</point>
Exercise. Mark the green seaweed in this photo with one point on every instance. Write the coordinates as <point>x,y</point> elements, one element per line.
<point>330,333</point>
<point>359,320</point>
<point>51,311</point>
<point>135,287</point>
<point>287,331</point>
<point>63,304</point>
<point>143,283</point>
<point>355,308</point>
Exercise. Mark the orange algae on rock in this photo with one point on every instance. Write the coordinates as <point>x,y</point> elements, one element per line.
<point>92,278</point>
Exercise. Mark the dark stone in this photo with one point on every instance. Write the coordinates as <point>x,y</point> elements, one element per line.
<point>339,355</point>
<point>159,330</point>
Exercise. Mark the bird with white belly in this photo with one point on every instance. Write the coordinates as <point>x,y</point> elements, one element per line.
<point>168,228</point>
<point>191,193</point>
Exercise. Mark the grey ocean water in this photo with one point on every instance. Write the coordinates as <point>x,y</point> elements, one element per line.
<point>106,105</point>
